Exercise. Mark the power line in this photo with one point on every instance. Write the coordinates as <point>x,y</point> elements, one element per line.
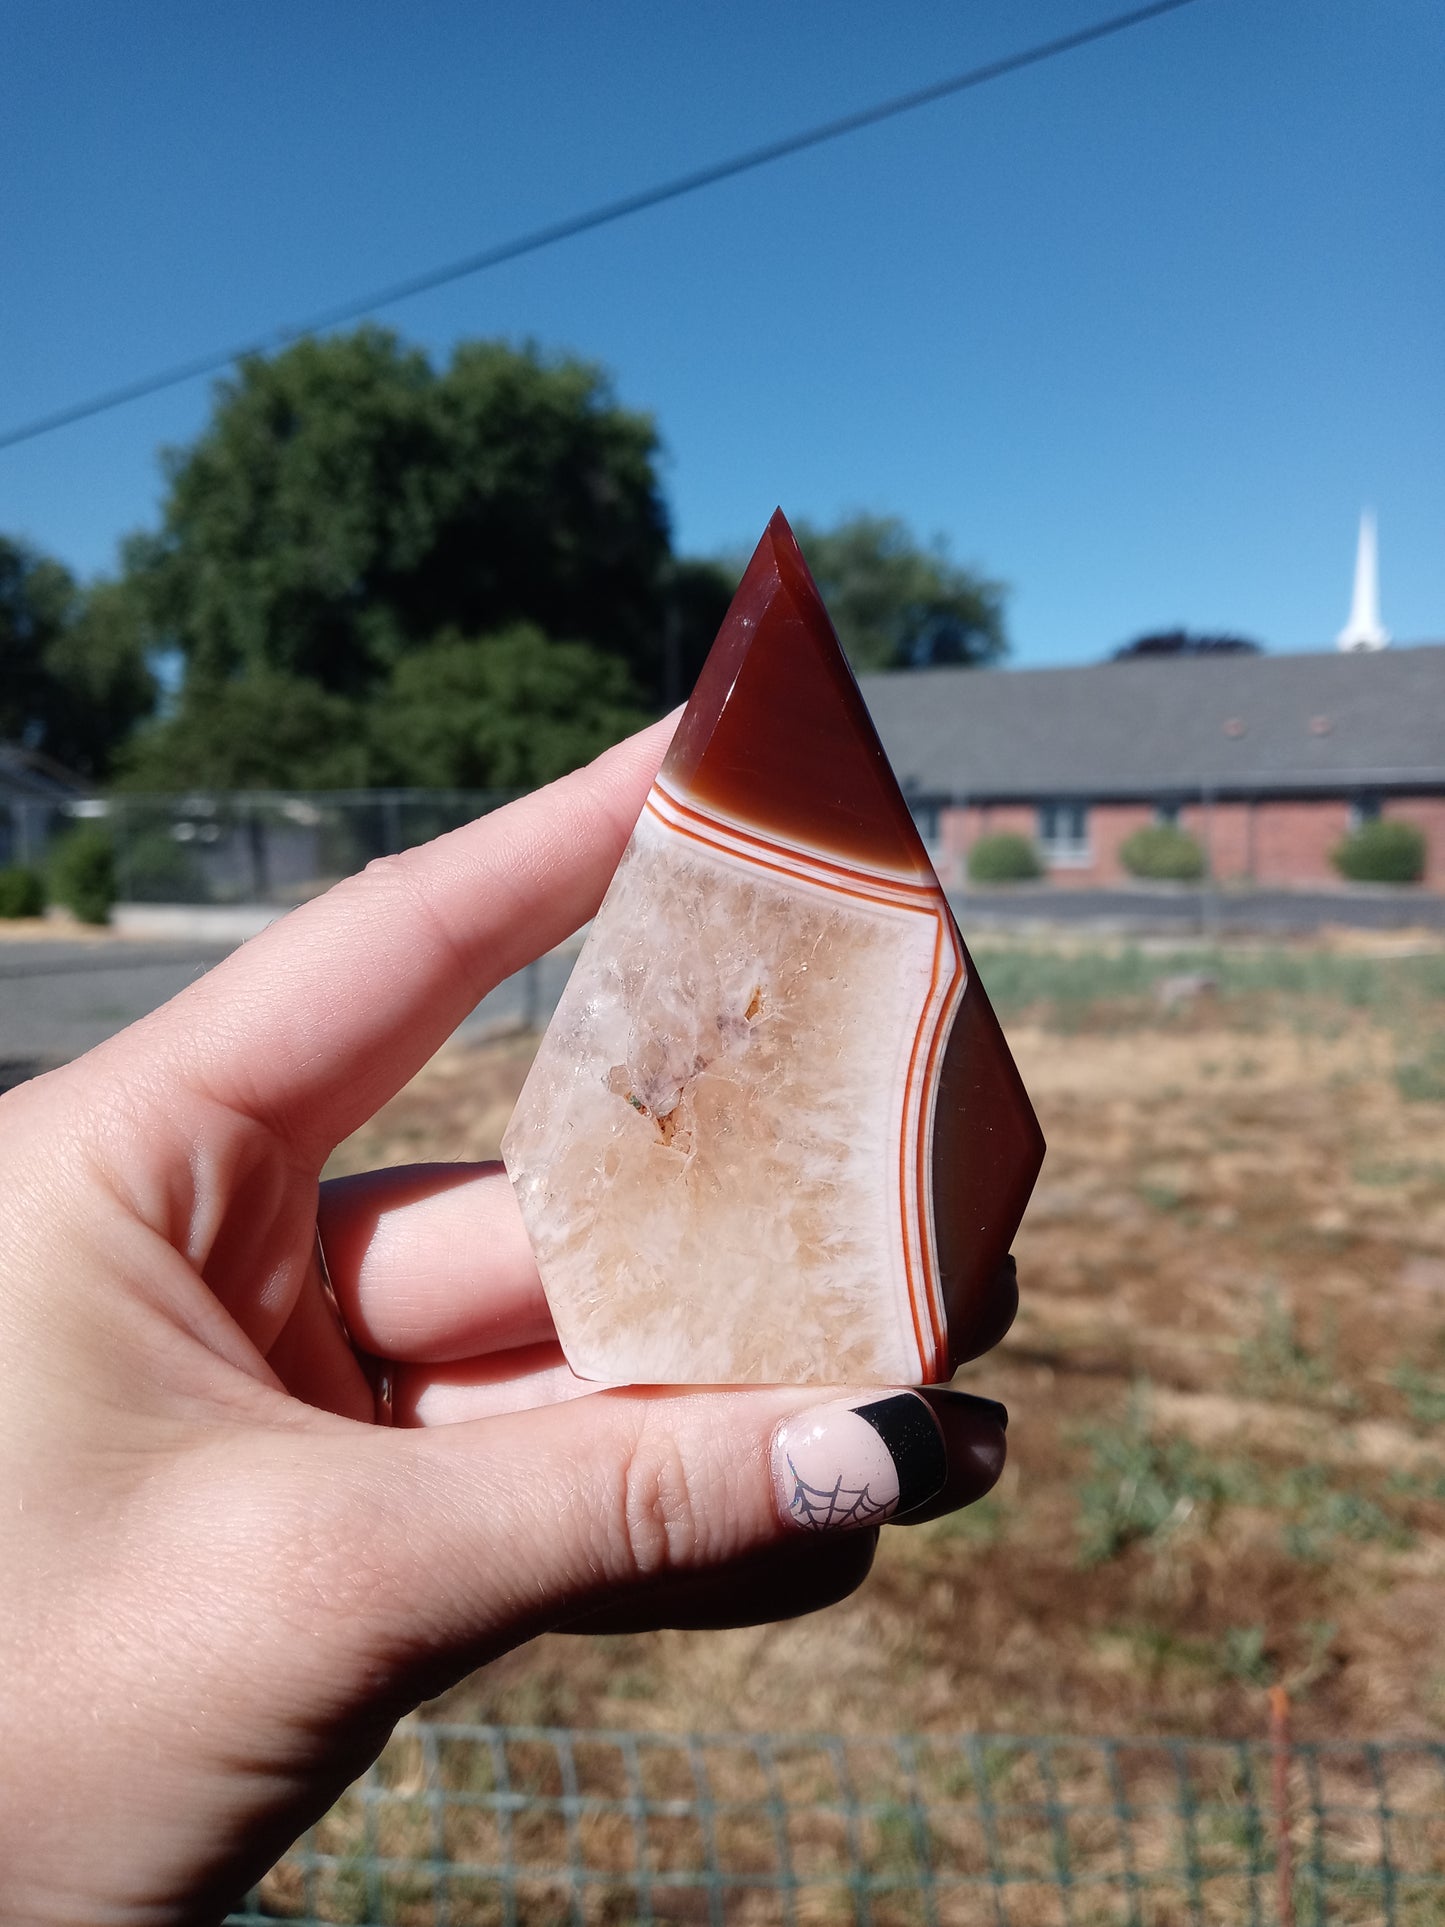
<point>545,237</point>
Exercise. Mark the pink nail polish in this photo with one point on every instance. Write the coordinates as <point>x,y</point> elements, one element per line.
<point>850,1464</point>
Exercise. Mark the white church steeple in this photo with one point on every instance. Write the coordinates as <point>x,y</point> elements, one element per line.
<point>1364,630</point>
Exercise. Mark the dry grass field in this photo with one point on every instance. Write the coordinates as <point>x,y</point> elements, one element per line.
<point>1227,1383</point>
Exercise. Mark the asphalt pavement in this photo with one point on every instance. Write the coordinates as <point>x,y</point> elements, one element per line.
<point>59,998</point>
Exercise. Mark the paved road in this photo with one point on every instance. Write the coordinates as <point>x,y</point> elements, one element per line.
<point>58,999</point>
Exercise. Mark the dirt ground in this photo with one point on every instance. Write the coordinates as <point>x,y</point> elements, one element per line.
<point>1227,1383</point>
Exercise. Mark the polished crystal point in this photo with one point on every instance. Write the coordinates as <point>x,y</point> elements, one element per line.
<point>773,1133</point>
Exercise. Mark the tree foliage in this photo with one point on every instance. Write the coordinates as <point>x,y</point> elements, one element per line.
<point>501,712</point>
<point>265,730</point>
<point>1184,642</point>
<point>82,872</point>
<point>103,682</point>
<point>37,597</point>
<point>374,568</point>
<point>73,675</point>
<point>22,892</point>
<point>349,501</point>
<point>695,600</point>
<point>897,604</point>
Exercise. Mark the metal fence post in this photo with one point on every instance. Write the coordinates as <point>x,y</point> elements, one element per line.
<point>1210,917</point>
<point>120,846</point>
<point>1279,1786</point>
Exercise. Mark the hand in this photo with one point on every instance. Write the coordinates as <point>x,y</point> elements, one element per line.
<point>220,1583</point>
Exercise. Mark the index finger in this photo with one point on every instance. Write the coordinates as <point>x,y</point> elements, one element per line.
<point>310,1027</point>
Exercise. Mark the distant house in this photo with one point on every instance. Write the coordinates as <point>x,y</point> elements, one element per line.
<point>1267,760</point>
<point>33,790</point>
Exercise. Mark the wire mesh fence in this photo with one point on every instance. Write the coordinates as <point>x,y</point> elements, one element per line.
<point>267,846</point>
<point>485,1826</point>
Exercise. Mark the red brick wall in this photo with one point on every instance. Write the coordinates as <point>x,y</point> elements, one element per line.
<point>1109,825</point>
<point>1274,843</point>
<point>1293,841</point>
<point>1226,832</point>
<point>1427,813</point>
<point>960,830</point>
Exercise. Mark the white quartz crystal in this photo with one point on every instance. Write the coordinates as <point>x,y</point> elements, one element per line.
<point>707,1150</point>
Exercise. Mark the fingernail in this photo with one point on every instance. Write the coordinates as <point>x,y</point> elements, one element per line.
<point>845,1465</point>
<point>986,1408</point>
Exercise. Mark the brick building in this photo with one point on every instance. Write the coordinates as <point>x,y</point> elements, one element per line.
<point>1267,760</point>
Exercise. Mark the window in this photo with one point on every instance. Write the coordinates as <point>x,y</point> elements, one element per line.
<point>1363,810</point>
<point>925,815</point>
<point>1064,835</point>
<point>1167,813</point>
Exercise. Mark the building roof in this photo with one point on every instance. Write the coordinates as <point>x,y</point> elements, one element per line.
<point>1241,725</point>
<point>26,775</point>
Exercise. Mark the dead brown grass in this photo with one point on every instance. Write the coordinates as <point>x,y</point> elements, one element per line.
<point>1233,1283</point>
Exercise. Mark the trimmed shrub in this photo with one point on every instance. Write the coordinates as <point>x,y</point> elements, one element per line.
<point>22,894</point>
<point>1384,851</point>
<point>82,872</point>
<point>1004,857</point>
<point>1163,853</point>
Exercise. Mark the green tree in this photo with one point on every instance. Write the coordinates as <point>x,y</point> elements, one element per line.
<point>1183,642</point>
<point>38,600</point>
<point>102,682</point>
<point>897,604</point>
<point>506,711</point>
<point>348,501</point>
<point>73,674</point>
<point>266,730</point>
<point>695,600</point>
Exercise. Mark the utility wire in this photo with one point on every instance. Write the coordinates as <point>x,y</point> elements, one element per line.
<point>597,217</point>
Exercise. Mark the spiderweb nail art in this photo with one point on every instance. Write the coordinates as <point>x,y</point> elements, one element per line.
<point>817,1507</point>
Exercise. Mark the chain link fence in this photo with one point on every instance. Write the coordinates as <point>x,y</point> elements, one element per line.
<point>486,1826</point>
<point>267,846</point>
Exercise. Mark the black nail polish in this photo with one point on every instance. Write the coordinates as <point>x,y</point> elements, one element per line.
<point>988,1408</point>
<point>914,1442</point>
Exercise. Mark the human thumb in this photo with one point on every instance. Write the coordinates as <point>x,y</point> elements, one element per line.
<point>506,1526</point>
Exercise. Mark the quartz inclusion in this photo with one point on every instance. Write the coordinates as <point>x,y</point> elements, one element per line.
<point>773,1133</point>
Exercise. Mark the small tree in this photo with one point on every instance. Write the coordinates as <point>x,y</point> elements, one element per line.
<point>1163,853</point>
<point>1004,857</point>
<point>1385,851</point>
<point>82,872</point>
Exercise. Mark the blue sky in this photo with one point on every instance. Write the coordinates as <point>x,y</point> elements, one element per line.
<point>1139,331</point>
